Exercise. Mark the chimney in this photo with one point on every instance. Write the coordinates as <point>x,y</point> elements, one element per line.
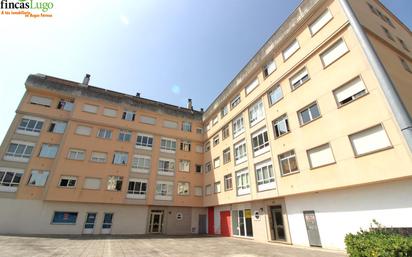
<point>189,104</point>
<point>86,80</point>
<point>137,94</point>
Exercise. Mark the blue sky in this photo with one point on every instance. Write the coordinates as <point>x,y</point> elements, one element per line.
<point>168,50</point>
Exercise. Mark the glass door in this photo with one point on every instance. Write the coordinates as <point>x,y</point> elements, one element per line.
<point>89,223</point>
<point>107,223</point>
<point>242,223</point>
<point>156,222</point>
<point>277,223</point>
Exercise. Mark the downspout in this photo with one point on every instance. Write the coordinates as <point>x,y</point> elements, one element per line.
<point>398,108</point>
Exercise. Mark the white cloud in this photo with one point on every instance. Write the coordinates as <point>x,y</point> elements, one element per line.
<point>124,20</point>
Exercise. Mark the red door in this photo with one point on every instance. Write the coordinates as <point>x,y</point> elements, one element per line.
<point>211,220</point>
<point>225,224</point>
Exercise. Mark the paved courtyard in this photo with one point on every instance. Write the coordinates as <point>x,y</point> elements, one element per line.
<point>149,246</point>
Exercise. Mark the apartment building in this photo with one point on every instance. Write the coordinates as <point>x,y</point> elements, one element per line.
<point>311,140</point>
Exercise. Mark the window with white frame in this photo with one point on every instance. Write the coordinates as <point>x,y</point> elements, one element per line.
<point>141,163</point>
<point>184,165</point>
<point>309,113</point>
<point>164,190</point>
<point>114,183</point>
<point>216,140</point>
<point>109,112</point>
<point>66,105</point>
<point>147,120</point>
<point>242,182</point>
<point>198,168</point>
<point>275,95</point>
<point>299,78</point>
<point>120,158</point>
<point>49,151</point>
<point>30,126</point>
<point>183,188</point>
<point>185,146</point>
<point>100,157</point>
<point>260,142</point>
<point>281,126</point>
<point>208,167</point>
<point>83,130</point>
<point>288,163</point>
<point>199,149</point>
<point>217,187</point>
<point>256,113</point>
<point>370,140</point>
<point>198,191</point>
<point>68,181</point>
<point>92,183</point>
<point>129,115</point>
<point>104,133</point>
<point>168,145</point>
<point>90,108</point>
<point>252,85</point>
<point>405,65</point>
<point>170,124</point>
<point>225,132</point>
<point>187,126</point>
<point>240,152</point>
<point>57,127</point>
<point>38,178</point>
<point>238,126</point>
<point>290,50</point>
<point>320,156</point>
<point>125,135</point>
<point>76,154</point>
<point>228,182</point>
<point>235,102</point>
<point>269,68</point>
<point>265,178</point>
<point>216,162</point>
<point>215,120</point>
<point>226,155</point>
<point>166,167</point>
<point>144,141</point>
<point>19,151</point>
<point>43,101</point>
<point>10,179</point>
<point>334,52</point>
<point>207,146</point>
<point>208,189</point>
<point>350,91</point>
<point>137,189</point>
<point>320,22</point>
<point>224,111</point>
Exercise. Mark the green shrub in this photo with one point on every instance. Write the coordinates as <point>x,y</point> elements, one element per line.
<point>378,242</point>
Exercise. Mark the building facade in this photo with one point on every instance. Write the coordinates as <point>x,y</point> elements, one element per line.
<point>310,141</point>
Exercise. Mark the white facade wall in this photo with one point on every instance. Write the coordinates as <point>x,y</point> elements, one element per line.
<point>347,210</point>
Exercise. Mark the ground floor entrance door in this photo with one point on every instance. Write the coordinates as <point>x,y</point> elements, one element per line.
<point>89,223</point>
<point>202,224</point>
<point>312,228</point>
<point>156,221</point>
<point>278,226</point>
<point>242,223</point>
<point>107,223</point>
<point>225,223</point>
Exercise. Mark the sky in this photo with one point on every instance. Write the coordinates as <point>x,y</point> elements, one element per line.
<point>168,50</point>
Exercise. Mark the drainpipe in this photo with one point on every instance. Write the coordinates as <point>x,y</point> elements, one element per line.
<point>398,108</point>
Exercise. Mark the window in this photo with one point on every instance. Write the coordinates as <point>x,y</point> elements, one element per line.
<point>83,130</point>
<point>242,182</point>
<point>320,22</point>
<point>224,111</point>
<point>228,182</point>
<point>254,84</point>
<point>216,162</point>
<point>43,101</point>
<point>10,179</point>
<point>403,44</point>
<point>90,108</point>
<point>48,151</point>
<point>19,151</point>
<point>269,68</point>
<point>217,187</point>
<point>334,52</point>
<point>405,65</point>
<point>320,156</point>
<point>184,165</point>
<point>350,91</point>
<point>256,113</point>
<point>137,189</point>
<point>208,189</point>
<point>199,130</point>
<point>183,188</point>
<point>57,127</point>
<point>216,140</point>
<point>99,157</point>
<point>120,158</point>
<point>66,105</point>
<point>68,181</point>
<point>199,149</point>
<point>104,133</point>
<point>240,152</point>
<point>290,50</point>
<point>114,183</point>
<point>198,191</point>
<point>208,167</point>
<point>309,114</point>
<point>144,141</point>
<point>370,140</point>
<point>187,126</point>
<point>38,178</point>
<point>30,126</point>
<point>166,167</point>
<point>76,154</point>
<point>125,135</point>
<point>235,102</point>
<point>226,155</point>
<point>275,95</point>
<point>238,127</point>
<point>208,126</point>
<point>288,163</point>
<point>147,120</point>
<point>198,168</point>
<point>372,8</point>
<point>388,34</point>
<point>299,78</point>
<point>64,217</point>
<point>170,124</point>
<point>128,115</point>
<point>141,163</point>
<point>164,190</point>
<point>168,145</point>
<point>215,120</point>
<point>281,126</point>
<point>185,146</point>
<point>225,132</point>
<point>92,183</point>
<point>260,142</point>
<point>109,112</point>
<point>265,178</point>
<point>207,147</point>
